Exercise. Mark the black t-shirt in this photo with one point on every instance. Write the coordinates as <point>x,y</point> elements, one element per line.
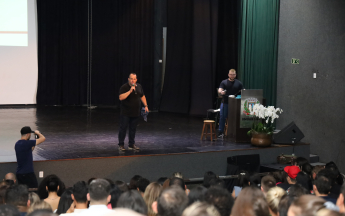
<point>231,88</point>
<point>24,156</point>
<point>131,105</point>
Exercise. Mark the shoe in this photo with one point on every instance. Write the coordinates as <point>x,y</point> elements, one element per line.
<point>221,135</point>
<point>133,147</point>
<point>122,148</point>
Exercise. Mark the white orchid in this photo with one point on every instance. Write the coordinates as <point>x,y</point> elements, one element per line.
<point>269,114</point>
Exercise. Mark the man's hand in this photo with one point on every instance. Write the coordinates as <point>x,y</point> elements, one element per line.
<point>146,109</point>
<point>222,92</point>
<point>132,89</point>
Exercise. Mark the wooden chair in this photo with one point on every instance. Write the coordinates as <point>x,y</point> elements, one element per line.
<point>212,128</point>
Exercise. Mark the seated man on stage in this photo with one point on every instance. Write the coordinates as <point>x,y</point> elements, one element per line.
<point>227,87</point>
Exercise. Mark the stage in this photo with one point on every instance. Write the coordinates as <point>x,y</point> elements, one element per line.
<point>75,134</point>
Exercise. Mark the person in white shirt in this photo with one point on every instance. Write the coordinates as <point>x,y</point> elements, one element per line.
<point>99,197</point>
<point>79,197</point>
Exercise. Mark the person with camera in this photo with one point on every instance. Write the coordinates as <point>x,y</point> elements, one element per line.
<point>24,147</point>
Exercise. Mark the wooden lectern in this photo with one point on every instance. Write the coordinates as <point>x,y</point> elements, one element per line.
<point>235,132</point>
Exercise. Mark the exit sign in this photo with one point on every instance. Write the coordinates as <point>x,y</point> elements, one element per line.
<point>294,61</point>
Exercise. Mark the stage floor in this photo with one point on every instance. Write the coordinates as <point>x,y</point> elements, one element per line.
<point>76,132</point>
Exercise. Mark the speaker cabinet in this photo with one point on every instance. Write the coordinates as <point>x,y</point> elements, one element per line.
<point>291,134</point>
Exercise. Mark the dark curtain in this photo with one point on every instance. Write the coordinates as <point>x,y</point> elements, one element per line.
<point>201,48</point>
<point>122,42</point>
<point>62,52</point>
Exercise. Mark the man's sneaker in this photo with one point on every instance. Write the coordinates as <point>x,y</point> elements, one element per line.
<point>122,148</point>
<point>221,135</point>
<point>133,147</point>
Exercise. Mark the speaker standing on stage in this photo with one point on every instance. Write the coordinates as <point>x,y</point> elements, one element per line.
<point>131,95</point>
<point>227,87</point>
<point>24,147</point>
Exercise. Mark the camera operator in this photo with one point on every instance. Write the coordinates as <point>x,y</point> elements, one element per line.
<point>24,147</point>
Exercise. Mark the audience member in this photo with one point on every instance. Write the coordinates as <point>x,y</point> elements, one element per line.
<point>290,174</point>
<point>115,194</point>
<point>133,184</point>
<point>133,200</point>
<point>42,212</point>
<point>255,180</point>
<point>177,174</point>
<point>90,180</point>
<point>122,185</point>
<point>267,182</point>
<point>306,205</point>
<point>285,203</point>
<point>328,212</point>
<point>99,197</point>
<point>178,182</point>
<point>151,194</point>
<point>297,190</point>
<point>52,187</point>
<point>10,177</point>
<point>34,198</point>
<point>197,194</point>
<point>208,176</point>
<point>142,184</point>
<point>304,180</point>
<point>65,202</point>
<point>300,161</point>
<point>78,195</point>
<point>166,184</point>
<point>322,187</point>
<point>40,205</point>
<point>243,181</point>
<point>161,180</point>
<point>250,202</point>
<point>278,176</point>
<point>273,198</point>
<point>341,199</point>
<point>336,177</point>
<point>18,195</point>
<point>171,202</point>
<point>216,182</point>
<point>42,188</point>
<point>316,170</point>
<point>3,187</point>
<point>201,209</point>
<point>329,174</point>
<point>9,210</point>
<point>221,199</point>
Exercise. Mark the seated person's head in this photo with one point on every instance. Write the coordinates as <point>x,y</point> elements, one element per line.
<point>79,192</point>
<point>142,184</point>
<point>243,179</point>
<point>99,192</point>
<point>316,170</point>
<point>40,205</point>
<point>178,182</point>
<point>52,184</point>
<point>273,197</point>
<point>122,185</point>
<point>291,173</point>
<point>133,184</point>
<point>304,180</point>
<point>133,200</point>
<point>17,195</point>
<point>322,185</point>
<point>341,199</point>
<point>201,209</point>
<point>65,201</point>
<point>300,161</point>
<point>9,210</point>
<point>255,180</point>
<point>306,205</point>
<point>11,177</point>
<point>221,199</point>
<point>297,190</point>
<point>284,204</point>
<point>177,174</point>
<point>267,182</point>
<point>208,176</point>
<point>216,182</point>
<point>197,194</point>
<point>171,202</point>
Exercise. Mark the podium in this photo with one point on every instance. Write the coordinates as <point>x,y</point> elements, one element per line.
<point>238,123</point>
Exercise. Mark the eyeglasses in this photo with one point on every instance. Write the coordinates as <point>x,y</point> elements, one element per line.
<point>232,74</point>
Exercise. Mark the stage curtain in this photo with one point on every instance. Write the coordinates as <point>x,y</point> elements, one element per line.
<point>259,46</point>
<point>196,35</point>
<point>62,52</point>
<point>122,43</point>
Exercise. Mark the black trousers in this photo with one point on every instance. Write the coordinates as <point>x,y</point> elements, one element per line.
<point>131,123</point>
<point>28,179</point>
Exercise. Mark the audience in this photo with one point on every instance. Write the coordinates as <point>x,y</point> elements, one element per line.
<point>273,198</point>
<point>133,200</point>
<point>171,202</point>
<point>257,194</point>
<point>10,177</point>
<point>151,194</point>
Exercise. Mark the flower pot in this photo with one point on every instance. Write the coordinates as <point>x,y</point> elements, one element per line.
<point>261,139</point>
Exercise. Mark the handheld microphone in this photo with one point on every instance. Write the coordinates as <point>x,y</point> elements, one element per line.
<point>135,91</point>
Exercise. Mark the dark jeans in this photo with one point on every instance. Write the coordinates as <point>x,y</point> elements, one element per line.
<point>28,179</point>
<point>131,123</point>
<point>223,115</point>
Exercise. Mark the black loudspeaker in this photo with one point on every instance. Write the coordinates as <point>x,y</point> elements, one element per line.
<point>291,134</point>
<point>250,163</point>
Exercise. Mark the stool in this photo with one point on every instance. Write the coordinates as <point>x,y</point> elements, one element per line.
<point>212,128</point>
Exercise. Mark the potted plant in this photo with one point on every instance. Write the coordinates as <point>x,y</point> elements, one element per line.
<point>262,129</point>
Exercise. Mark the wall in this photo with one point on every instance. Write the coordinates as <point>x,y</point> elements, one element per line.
<point>314,32</point>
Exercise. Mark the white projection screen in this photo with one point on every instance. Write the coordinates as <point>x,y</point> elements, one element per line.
<point>18,52</point>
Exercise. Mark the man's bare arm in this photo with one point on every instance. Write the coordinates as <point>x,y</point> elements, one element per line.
<point>126,94</point>
<point>221,91</point>
<point>40,139</point>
